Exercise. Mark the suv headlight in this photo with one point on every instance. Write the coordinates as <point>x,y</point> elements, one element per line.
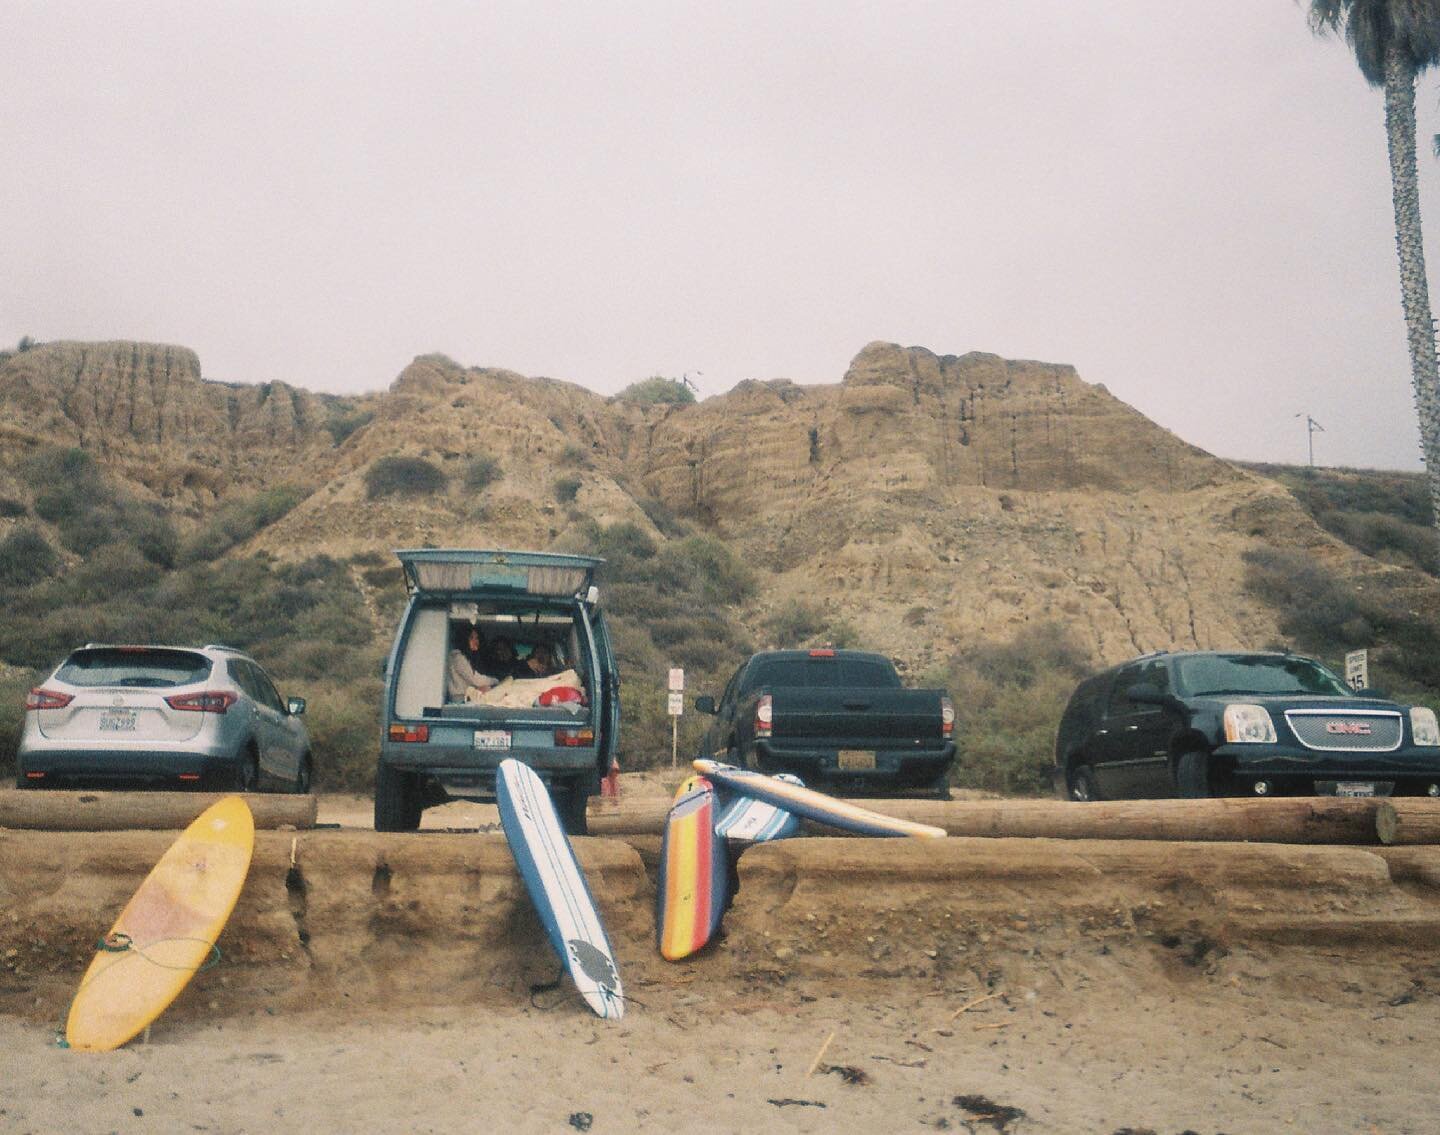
<point>1249,724</point>
<point>1423,726</point>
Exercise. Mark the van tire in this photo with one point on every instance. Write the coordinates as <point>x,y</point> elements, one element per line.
<point>397,800</point>
<point>570,808</point>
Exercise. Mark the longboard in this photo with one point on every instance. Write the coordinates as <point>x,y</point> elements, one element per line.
<point>557,888</point>
<point>744,819</point>
<point>167,930</point>
<point>694,880</point>
<point>812,805</point>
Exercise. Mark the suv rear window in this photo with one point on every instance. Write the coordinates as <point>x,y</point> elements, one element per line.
<point>118,667</point>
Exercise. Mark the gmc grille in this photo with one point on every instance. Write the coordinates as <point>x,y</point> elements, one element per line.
<point>1334,731</point>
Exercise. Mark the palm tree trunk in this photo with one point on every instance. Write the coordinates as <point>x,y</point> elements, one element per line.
<point>1414,288</point>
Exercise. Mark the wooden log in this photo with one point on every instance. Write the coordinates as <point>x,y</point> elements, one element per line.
<point>1408,820</point>
<point>1293,819</point>
<point>140,811</point>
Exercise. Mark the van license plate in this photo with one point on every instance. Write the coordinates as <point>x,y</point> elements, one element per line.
<point>1354,788</point>
<point>851,759</point>
<point>117,721</point>
<point>492,738</point>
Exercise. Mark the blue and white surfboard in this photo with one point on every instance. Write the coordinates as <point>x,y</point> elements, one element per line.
<point>557,888</point>
<point>745,819</point>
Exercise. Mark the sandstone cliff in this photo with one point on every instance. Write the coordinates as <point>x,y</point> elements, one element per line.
<point>931,501</point>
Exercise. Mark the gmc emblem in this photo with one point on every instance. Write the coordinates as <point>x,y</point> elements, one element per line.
<point>1350,728</point>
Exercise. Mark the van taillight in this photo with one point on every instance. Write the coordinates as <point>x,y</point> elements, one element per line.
<point>764,716</point>
<point>399,732</point>
<point>574,738</point>
<point>208,701</point>
<point>947,717</point>
<point>47,699</point>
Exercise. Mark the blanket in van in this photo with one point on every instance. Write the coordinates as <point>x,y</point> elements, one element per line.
<point>520,693</point>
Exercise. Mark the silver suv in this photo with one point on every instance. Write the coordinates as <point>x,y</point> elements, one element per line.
<point>175,717</point>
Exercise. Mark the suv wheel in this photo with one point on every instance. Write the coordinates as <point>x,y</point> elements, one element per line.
<point>397,800</point>
<point>1083,788</point>
<point>247,772</point>
<point>302,776</point>
<point>1192,776</point>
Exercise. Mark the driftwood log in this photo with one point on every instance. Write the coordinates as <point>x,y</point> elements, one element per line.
<point>1308,820</point>
<point>141,811</point>
<point>1408,820</point>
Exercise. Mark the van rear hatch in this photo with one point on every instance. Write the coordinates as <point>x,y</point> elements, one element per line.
<point>469,571</point>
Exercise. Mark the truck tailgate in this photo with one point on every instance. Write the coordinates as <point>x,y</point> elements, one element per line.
<point>856,717</point>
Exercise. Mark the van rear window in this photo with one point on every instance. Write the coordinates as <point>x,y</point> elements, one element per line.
<point>140,667</point>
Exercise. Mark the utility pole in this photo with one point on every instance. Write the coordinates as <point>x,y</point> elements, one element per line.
<point>1311,426</point>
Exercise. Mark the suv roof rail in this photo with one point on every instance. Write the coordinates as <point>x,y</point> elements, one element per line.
<point>222,646</point>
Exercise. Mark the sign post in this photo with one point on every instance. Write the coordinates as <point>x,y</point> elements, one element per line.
<point>676,707</point>
<point>1357,669</point>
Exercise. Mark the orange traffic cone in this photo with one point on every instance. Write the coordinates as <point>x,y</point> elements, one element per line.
<point>610,784</point>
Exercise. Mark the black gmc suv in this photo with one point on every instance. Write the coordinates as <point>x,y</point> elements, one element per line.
<point>1218,723</point>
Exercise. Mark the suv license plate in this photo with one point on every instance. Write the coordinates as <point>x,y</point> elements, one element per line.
<point>1354,788</point>
<point>851,759</point>
<point>117,721</point>
<point>492,738</point>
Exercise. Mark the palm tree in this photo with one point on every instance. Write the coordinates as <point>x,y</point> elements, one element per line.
<point>1394,41</point>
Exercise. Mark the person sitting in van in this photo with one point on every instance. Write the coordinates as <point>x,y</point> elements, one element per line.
<point>539,663</point>
<point>462,673</point>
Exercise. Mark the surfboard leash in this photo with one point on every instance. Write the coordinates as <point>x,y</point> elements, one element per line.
<point>119,942</point>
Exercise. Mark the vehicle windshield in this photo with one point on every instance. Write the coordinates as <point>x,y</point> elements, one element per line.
<point>1257,674</point>
<point>112,666</point>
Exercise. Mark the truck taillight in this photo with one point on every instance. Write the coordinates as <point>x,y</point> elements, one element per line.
<point>764,716</point>
<point>47,699</point>
<point>947,717</point>
<point>207,701</point>
<point>400,732</point>
<point>574,738</point>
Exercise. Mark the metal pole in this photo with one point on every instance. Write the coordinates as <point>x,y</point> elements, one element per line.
<point>674,739</point>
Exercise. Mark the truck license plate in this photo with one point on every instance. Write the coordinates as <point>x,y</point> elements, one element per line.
<point>852,759</point>
<point>1354,788</point>
<point>492,738</point>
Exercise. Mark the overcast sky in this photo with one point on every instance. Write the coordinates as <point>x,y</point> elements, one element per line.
<point>1188,202</point>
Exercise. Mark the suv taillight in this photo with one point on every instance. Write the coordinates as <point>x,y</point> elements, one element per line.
<point>207,701</point>
<point>764,716</point>
<point>947,717</point>
<point>47,699</point>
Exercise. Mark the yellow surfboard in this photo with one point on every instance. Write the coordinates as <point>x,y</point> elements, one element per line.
<point>166,932</point>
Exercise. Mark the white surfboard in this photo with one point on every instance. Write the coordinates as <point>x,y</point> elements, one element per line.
<point>747,820</point>
<point>557,888</point>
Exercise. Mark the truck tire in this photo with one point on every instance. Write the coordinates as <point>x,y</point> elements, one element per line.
<point>397,800</point>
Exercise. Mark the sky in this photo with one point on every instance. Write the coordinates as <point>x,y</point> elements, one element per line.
<point>1188,203</point>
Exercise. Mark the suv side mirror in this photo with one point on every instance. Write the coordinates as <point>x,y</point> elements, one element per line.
<point>705,704</point>
<point>295,706</point>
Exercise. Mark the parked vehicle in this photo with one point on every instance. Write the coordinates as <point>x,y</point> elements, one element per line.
<point>840,719</point>
<point>1213,723</point>
<point>205,717</point>
<point>437,746</point>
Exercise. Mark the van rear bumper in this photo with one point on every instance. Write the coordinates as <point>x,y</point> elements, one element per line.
<point>469,774</point>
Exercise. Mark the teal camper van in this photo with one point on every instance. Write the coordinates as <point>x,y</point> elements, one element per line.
<point>439,743</point>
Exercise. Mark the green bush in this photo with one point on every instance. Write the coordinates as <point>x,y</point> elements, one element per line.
<point>25,558</point>
<point>798,622</point>
<point>567,489</point>
<point>237,521</point>
<point>481,473</point>
<point>344,420</point>
<point>11,508</point>
<point>576,457</point>
<point>13,687</point>
<point>657,389</point>
<point>403,476</point>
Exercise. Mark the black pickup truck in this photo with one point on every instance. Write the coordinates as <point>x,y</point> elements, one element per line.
<point>838,719</point>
